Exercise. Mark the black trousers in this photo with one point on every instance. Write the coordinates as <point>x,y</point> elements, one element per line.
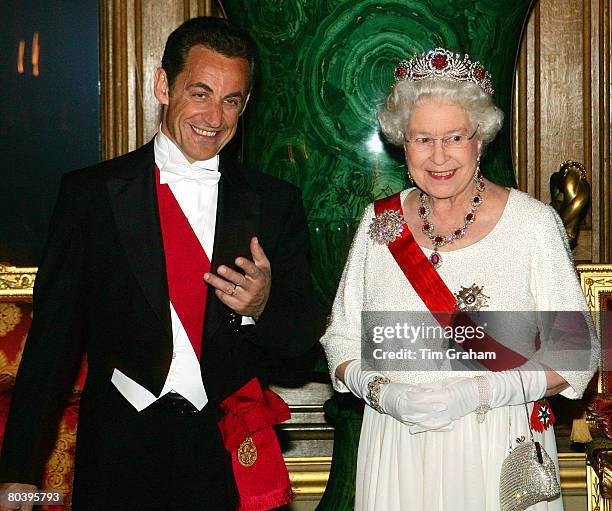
<point>157,459</point>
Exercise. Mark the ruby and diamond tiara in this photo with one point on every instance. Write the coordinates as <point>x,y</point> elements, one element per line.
<point>441,64</point>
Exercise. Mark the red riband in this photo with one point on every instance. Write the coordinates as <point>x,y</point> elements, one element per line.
<point>250,415</point>
<point>436,296</point>
<point>186,264</point>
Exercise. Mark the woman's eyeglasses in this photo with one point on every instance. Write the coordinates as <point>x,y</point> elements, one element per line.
<point>453,141</point>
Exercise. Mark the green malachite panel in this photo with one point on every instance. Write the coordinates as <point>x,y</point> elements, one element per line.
<point>326,66</point>
<point>345,413</point>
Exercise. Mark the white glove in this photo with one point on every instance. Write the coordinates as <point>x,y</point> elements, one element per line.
<point>395,399</point>
<point>461,395</point>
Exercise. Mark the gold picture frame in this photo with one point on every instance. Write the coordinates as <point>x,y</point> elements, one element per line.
<point>596,282</point>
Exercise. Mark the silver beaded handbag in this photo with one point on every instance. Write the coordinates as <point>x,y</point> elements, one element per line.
<point>528,474</point>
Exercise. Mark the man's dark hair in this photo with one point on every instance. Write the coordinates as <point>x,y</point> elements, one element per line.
<point>216,34</point>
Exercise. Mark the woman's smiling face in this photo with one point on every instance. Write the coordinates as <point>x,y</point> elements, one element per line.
<point>441,170</point>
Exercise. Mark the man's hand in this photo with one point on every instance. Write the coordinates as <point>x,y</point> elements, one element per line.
<point>6,488</point>
<point>246,294</point>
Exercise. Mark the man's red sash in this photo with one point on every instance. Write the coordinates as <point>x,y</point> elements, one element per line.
<point>250,413</point>
<point>248,436</point>
<point>435,294</point>
<point>186,264</point>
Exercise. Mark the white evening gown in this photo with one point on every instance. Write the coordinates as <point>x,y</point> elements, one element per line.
<point>523,264</point>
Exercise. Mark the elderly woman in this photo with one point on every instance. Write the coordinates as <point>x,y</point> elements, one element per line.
<point>436,439</point>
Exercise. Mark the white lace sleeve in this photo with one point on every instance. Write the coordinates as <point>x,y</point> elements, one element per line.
<point>555,287</point>
<point>342,339</point>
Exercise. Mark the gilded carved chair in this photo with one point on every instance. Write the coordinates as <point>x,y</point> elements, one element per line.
<point>16,285</point>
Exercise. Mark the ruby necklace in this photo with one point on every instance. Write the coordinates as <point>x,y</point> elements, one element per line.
<point>438,240</point>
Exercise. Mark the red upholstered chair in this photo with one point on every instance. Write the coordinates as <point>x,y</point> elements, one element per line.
<point>15,320</point>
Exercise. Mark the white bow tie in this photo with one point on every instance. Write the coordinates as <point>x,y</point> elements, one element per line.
<point>175,172</point>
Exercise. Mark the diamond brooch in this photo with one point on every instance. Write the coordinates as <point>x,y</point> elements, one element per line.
<point>386,227</point>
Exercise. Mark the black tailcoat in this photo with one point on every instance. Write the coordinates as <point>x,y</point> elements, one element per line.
<point>101,288</point>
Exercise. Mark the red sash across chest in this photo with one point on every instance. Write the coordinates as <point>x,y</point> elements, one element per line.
<point>186,264</point>
<point>246,429</point>
<point>435,293</point>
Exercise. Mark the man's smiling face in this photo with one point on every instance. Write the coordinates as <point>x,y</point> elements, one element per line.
<point>202,108</point>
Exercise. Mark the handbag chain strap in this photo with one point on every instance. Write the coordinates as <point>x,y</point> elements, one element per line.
<point>537,444</point>
<point>525,404</point>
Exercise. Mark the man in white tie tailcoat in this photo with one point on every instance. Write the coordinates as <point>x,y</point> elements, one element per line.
<point>182,276</point>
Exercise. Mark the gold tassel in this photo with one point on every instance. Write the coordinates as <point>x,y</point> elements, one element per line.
<point>580,431</point>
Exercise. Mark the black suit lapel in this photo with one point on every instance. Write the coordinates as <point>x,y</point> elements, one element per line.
<point>134,204</point>
<point>238,210</point>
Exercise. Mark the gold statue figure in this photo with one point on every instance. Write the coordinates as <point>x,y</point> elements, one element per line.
<point>570,194</point>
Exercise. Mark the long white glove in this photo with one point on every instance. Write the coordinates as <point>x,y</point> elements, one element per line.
<point>462,395</point>
<point>395,399</point>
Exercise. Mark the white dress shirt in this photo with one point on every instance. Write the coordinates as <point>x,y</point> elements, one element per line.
<point>197,197</point>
